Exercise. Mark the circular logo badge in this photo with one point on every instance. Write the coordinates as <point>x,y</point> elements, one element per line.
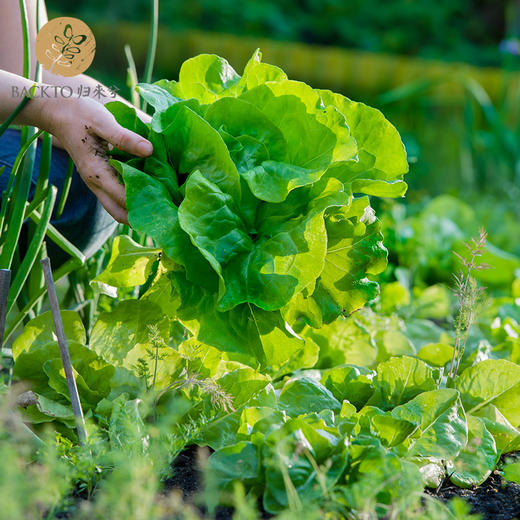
<point>65,46</point>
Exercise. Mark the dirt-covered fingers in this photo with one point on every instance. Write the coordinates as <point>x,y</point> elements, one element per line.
<point>123,139</point>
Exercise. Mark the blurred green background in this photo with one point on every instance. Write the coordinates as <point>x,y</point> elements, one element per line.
<point>468,30</point>
<point>445,73</point>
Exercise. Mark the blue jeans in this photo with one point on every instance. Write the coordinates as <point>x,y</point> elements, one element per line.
<point>84,222</point>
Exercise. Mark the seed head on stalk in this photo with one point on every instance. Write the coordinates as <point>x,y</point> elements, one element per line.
<point>469,295</point>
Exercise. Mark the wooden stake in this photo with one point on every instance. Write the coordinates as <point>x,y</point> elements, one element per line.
<point>64,351</point>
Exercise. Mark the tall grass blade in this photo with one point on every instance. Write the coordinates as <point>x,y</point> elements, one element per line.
<point>21,188</point>
<point>66,188</point>
<point>5,279</point>
<point>32,251</point>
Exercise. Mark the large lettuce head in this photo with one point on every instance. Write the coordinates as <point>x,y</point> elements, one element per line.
<point>257,192</point>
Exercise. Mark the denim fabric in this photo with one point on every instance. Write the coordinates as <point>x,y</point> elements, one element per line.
<point>84,221</point>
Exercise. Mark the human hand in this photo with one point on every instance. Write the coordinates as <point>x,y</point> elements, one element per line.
<point>85,129</point>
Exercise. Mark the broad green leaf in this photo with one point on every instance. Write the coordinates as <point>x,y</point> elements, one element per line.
<point>506,437</point>
<point>48,410</point>
<point>423,332</point>
<point>492,382</point>
<point>304,395</point>
<point>386,334</point>
<point>373,134</point>
<point>392,343</point>
<point>257,73</point>
<point>315,136</point>
<point>477,459</point>
<point>272,181</point>
<point>206,77</point>
<point>156,96</point>
<point>343,341</point>
<point>220,433</point>
<point>41,366</point>
<point>354,249</point>
<point>349,382</point>
<point>28,365</point>
<point>127,116</point>
<point>133,336</point>
<point>210,361</point>
<point>161,293</point>
<point>378,188</point>
<point>277,267</point>
<point>251,416</point>
<point>237,463</point>
<point>210,217</point>
<point>40,331</point>
<point>242,384</point>
<point>511,472</point>
<point>146,198</point>
<point>239,119</point>
<point>515,290</point>
<point>453,208</point>
<point>130,264</point>
<point>93,377</point>
<point>432,302</point>
<point>239,425</point>
<point>399,380</point>
<point>442,429</point>
<point>504,266</point>
<point>389,430</point>
<point>436,354</point>
<point>193,144</point>
<point>393,295</point>
<point>245,329</point>
<point>161,170</point>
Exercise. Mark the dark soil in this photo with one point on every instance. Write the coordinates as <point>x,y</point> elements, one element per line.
<point>188,478</point>
<point>495,499</point>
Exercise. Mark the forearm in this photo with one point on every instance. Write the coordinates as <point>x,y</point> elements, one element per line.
<point>86,86</point>
<point>38,112</point>
<point>85,129</point>
<point>83,86</point>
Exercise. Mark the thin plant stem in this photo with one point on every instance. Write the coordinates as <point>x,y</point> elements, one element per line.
<point>132,78</point>
<point>66,188</point>
<point>12,116</point>
<point>54,235</point>
<point>152,45</point>
<point>26,41</point>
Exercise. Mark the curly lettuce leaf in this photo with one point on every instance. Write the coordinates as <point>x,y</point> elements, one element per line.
<point>249,195</point>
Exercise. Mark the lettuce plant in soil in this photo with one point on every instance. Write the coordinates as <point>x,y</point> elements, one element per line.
<point>257,195</point>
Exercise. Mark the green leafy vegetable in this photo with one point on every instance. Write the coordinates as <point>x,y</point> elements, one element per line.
<point>250,195</point>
